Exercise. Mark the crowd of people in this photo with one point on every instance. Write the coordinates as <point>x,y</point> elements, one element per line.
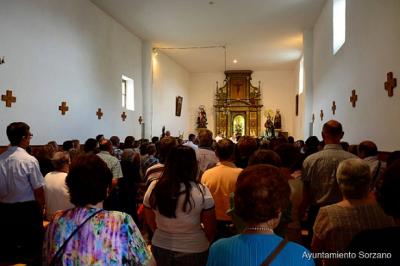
<point>198,202</point>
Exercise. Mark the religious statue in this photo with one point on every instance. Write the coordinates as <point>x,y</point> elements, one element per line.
<point>202,117</point>
<point>277,120</point>
<point>269,126</point>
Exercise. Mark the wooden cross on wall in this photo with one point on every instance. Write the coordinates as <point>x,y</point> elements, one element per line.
<point>390,84</point>
<point>99,113</point>
<point>8,98</point>
<point>63,108</point>
<point>353,98</point>
<point>321,114</point>
<point>123,116</point>
<point>333,107</point>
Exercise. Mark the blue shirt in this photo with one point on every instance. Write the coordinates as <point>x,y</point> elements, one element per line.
<point>253,249</point>
<point>19,176</point>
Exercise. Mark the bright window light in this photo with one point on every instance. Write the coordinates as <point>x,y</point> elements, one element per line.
<point>339,24</point>
<point>301,75</point>
<point>128,93</point>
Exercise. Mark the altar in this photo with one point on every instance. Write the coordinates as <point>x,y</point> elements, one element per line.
<point>238,105</point>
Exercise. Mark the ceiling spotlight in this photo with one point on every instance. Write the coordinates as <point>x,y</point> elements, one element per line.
<point>235,61</point>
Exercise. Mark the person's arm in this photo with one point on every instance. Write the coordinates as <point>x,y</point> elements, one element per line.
<point>39,196</point>
<point>150,218</point>
<point>208,220</point>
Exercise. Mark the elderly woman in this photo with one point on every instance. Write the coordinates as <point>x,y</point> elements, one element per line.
<point>383,240</point>
<point>180,211</point>
<point>336,224</point>
<point>262,192</point>
<point>87,234</point>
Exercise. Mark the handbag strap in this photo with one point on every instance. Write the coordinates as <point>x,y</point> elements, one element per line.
<point>61,249</point>
<point>275,252</point>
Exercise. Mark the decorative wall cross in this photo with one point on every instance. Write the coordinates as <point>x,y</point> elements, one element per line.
<point>2,61</point>
<point>123,116</point>
<point>99,113</point>
<point>333,107</point>
<point>63,108</point>
<point>390,84</point>
<point>353,98</point>
<point>8,98</point>
<point>321,114</point>
<point>140,120</point>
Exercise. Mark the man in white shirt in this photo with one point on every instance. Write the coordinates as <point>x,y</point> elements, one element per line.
<point>21,199</point>
<point>190,142</point>
<point>55,189</point>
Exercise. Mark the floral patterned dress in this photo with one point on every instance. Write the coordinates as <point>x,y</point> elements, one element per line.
<point>108,238</point>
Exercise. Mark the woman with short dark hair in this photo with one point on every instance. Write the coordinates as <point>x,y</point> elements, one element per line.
<point>176,206</point>
<point>262,192</point>
<point>87,234</point>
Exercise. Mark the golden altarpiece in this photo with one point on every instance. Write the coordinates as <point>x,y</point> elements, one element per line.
<point>238,105</point>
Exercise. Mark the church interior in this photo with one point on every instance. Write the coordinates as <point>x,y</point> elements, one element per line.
<point>78,52</point>
<point>256,70</point>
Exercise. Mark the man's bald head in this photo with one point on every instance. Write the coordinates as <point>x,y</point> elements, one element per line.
<point>332,132</point>
<point>367,148</point>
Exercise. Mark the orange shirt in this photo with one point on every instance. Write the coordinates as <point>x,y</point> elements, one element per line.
<point>221,181</point>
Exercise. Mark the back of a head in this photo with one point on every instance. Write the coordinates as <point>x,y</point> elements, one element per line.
<point>88,180</point>
<point>192,137</point>
<point>143,148</point>
<point>67,145</point>
<point>166,145</point>
<point>224,149</point>
<point>354,178</point>
<point>99,137</point>
<point>16,131</point>
<point>181,164</point>
<point>129,141</point>
<point>205,138</point>
<point>288,153</point>
<point>155,139</point>
<point>60,159</point>
<point>105,145</point>
<point>367,148</point>
<point>388,192</point>
<point>90,146</point>
<point>332,130</point>
<point>263,156</point>
<point>115,141</point>
<point>246,146</point>
<point>262,192</point>
<point>151,149</point>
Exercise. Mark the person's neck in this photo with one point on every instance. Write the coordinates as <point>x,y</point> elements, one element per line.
<point>259,228</point>
<point>64,169</point>
<point>356,202</point>
<point>96,206</point>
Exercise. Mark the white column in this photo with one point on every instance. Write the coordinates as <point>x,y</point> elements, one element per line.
<point>147,81</point>
<point>308,45</point>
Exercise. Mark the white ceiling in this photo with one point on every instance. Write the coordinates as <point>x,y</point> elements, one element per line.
<point>260,34</point>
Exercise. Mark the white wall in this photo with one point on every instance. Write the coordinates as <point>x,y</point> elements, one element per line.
<point>66,51</point>
<point>370,51</point>
<point>277,91</point>
<point>169,81</point>
<point>202,92</point>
